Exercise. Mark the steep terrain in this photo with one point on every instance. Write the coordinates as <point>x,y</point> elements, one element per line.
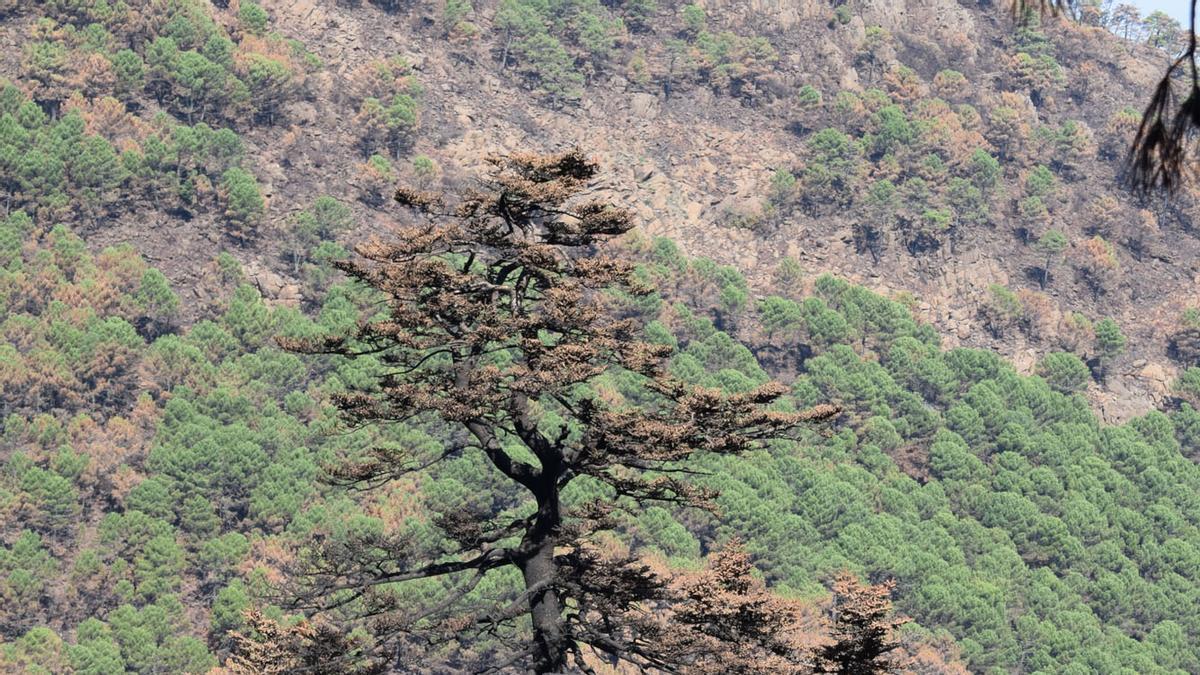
<point>176,176</point>
<point>699,163</point>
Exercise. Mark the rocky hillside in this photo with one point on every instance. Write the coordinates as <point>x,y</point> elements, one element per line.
<point>710,119</point>
<point>697,157</point>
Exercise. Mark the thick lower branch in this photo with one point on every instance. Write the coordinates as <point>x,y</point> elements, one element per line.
<point>521,472</point>
<point>489,560</point>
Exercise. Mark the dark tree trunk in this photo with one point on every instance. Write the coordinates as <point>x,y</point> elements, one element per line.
<point>550,643</point>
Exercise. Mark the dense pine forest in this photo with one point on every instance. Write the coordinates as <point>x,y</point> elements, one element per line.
<point>581,336</point>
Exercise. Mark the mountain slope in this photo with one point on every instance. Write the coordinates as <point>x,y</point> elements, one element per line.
<point>177,175</point>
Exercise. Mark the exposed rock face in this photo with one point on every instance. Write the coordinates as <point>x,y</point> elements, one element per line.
<point>272,285</point>
<point>944,27</point>
<point>786,14</point>
<point>643,105</point>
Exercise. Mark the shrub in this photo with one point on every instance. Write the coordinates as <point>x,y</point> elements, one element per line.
<point>789,274</point>
<point>950,84</point>
<point>1001,310</point>
<point>985,171</point>
<point>1097,262</point>
<point>1187,386</point>
<point>694,19</point>
<point>376,177</point>
<point>1110,341</point>
<point>424,168</point>
<point>322,221</point>
<point>783,186</point>
<point>544,57</point>
<point>1040,182</point>
<point>253,18</point>
<point>639,13</point>
<point>453,14</point>
<point>808,97</point>
<point>244,205</point>
<point>1065,373</point>
<point>387,124</point>
<point>130,73</point>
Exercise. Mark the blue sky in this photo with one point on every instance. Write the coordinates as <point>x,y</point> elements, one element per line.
<point>1176,8</point>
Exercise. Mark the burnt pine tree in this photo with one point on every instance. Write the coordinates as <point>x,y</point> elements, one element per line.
<point>861,629</point>
<point>271,648</point>
<point>498,314</point>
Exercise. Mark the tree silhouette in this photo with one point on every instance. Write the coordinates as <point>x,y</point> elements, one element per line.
<point>499,317</point>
